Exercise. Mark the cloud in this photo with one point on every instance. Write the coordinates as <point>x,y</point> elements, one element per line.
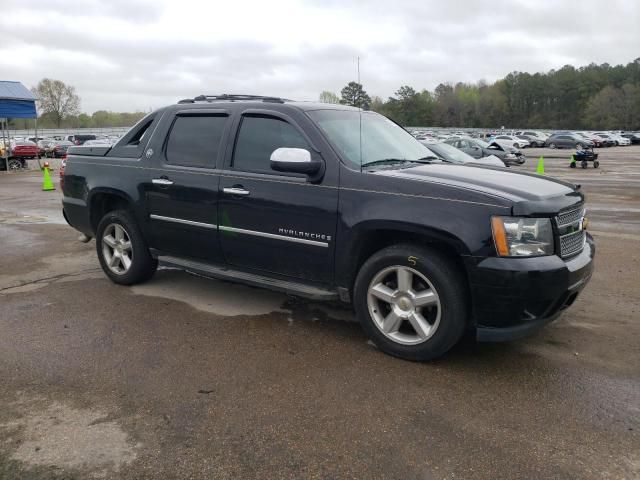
<point>133,54</point>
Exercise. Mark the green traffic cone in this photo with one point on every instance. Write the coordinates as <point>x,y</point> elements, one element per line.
<point>540,169</point>
<point>47,184</point>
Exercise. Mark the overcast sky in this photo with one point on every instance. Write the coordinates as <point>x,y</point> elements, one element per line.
<point>126,55</point>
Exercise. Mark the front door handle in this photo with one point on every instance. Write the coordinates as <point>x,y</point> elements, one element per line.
<point>163,181</point>
<point>236,191</point>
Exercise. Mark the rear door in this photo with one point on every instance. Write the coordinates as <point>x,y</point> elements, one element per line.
<point>270,221</point>
<point>182,185</point>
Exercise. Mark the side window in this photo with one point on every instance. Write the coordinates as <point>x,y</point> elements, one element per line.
<point>194,140</point>
<point>259,137</point>
<point>463,144</point>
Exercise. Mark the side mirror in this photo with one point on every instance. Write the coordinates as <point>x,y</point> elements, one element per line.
<point>294,160</point>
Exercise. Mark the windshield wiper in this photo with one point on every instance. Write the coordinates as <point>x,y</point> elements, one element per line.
<point>390,161</point>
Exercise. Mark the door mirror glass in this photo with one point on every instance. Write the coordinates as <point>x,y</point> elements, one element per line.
<point>294,160</point>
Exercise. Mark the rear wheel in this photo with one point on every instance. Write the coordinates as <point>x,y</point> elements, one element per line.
<point>552,145</point>
<point>411,301</point>
<point>584,164</point>
<point>596,164</point>
<point>122,250</point>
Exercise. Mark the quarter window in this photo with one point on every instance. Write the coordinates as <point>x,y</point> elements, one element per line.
<point>194,140</point>
<point>259,137</point>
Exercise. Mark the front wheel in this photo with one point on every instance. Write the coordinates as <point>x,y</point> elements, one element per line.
<point>411,301</point>
<point>596,164</point>
<point>552,145</point>
<point>15,165</point>
<point>122,250</point>
<point>584,164</point>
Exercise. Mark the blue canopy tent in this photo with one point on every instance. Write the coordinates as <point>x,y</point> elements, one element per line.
<point>16,101</point>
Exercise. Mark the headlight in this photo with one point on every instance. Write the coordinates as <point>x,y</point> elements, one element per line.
<point>522,237</point>
<point>510,155</point>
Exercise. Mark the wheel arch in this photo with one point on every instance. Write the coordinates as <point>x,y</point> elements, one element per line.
<point>103,200</point>
<point>372,237</point>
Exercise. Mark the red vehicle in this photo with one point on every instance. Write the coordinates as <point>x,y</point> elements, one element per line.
<point>23,150</point>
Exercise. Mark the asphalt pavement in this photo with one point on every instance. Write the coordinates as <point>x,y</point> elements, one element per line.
<point>185,377</point>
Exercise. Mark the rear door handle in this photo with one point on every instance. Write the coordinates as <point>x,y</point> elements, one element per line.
<point>162,181</point>
<point>236,191</point>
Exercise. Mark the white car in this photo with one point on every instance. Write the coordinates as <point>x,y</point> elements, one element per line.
<point>530,133</point>
<point>510,141</point>
<point>620,140</point>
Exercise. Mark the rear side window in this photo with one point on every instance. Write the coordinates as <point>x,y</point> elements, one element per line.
<point>194,140</point>
<point>259,137</point>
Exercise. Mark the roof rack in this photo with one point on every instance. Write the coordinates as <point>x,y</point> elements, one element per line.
<point>231,98</point>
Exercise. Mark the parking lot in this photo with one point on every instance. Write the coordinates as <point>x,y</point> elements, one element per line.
<point>185,377</point>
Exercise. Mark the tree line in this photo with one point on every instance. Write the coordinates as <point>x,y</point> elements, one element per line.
<point>592,97</point>
<point>59,107</point>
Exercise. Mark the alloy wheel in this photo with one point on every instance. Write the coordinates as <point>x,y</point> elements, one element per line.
<point>404,305</point>
<point>116,249</point>
<point>15,165</point>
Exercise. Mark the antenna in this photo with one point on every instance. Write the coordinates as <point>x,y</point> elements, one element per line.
<point>360,116</point>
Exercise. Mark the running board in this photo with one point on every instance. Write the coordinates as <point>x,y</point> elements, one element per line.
<point>224,273</point>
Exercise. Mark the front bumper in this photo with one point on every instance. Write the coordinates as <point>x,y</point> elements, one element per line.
<point>512,297</point>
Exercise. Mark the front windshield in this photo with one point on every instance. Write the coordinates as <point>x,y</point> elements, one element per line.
<point>451,153</point>
<point>381,138</point>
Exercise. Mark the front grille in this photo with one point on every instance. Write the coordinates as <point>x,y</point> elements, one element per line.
<point>572,243</point>
<point>571,236</point>
<point>570,216</point>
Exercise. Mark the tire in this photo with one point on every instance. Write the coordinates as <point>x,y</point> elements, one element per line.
<point>584,164</point>
<point>15,165</point>
<point>596,164</point>
<point>552,145</point>
<point>442,310</point>
<point>516,145</point>
<point>117,229</point>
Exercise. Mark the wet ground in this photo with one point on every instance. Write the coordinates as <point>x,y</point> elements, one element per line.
<point>185,377</point>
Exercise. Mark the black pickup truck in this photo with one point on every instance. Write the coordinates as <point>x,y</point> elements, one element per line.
<point>331,202</point>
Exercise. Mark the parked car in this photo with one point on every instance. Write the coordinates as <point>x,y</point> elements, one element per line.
<point>80,139</point>
<point>597,141</point>
<point>103,142</point>
<point>533,134</point>
<point>509,141</point>
<point>478,148</point>
<point>568,140</point>
<point>24,150</point>
<point>533,141</point>
<point>330,202</point>
<point>619,139</point>
<point>634,137</point>
<point>44,145</point>
<point>605,140</point>
<point>59,149</point>
<point>451,154</point>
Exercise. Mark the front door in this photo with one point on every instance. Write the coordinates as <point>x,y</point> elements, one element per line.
<point>270,221</point>
<point>182,188</point>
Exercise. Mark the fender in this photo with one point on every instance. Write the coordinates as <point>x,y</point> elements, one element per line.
<point>360,241</point>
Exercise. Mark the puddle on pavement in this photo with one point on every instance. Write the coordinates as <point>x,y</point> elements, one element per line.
<point>229,299</point>
<point>213,296</point>
<point>12,218</point>
<point>68,438</point>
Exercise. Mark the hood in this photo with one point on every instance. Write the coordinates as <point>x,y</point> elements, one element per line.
<point>531,194</point>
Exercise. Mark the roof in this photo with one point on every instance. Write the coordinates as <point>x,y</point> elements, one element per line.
<point>16,101</point>
<point>15,91</point>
